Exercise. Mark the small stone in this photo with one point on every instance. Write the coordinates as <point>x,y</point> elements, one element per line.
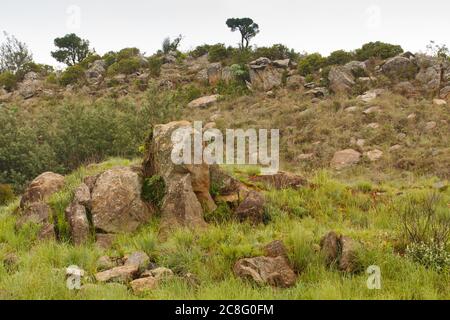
<point>441,185</point>
<point>345,158</point>
<point>439,102</point>
<point>395,148</point>
<point>351,109</point>
<point>305,156</point>
<point>139,259</point>
<point>373,125</point>
<point>159,273</point>
<point>430,125</point>
<point>122,274</point>
<point>143,285</point>
<point>105,263</point>
<point>412,116</point>
<point>372,110</point>
<point>374,155</point>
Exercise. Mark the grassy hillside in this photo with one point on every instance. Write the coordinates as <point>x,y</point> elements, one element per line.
<point>370,213</point>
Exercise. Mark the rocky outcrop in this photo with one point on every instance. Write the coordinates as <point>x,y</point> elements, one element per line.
<point>96,72</point>
<point>345,158</point>
<point>341,80</point>
<point>264,75</point>
<point>187,185</point>
<point>400,68</point>
<point>31,85</point>
<point>41,188</point>
<point>116,202</point>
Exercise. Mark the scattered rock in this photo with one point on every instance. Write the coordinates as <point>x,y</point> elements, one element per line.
<point>345,158</point>
<point>204,102</point>
<point>374,155</point>
<point>159,273</point>
<point>441,186</point>
<point>340,251</point>
<point>412,116</point>
<point>351,109</point>
<point>373,125</point>
<point>276,249</point>
<point>430,125</point>
<point>439,102</point>
<point>105,263</point>
<point>139,259</point>
<point>395,148</point>
<point>264,76</point>
<point>41,188</point>
<point>341,80</point>
<point>252,208</point>
<point>76,216</point>
<point>123,274</point>
<point>399,68</point>
<point>280,180</point>
<point>372,110</point>
<point>143,285</point>
<point>266,270</point>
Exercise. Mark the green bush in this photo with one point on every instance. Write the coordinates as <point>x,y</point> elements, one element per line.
<point>311,64</point>
<point>90,59</point>
<point>275,52</point>
<point>200,51</point>
<point>379,50</point>
<point>72,75</point>
<point>6,194</point>
<point>154,190</point>
<point>128,53</point>
<point>430,255</point>
<point>125,66</point>
<point>154,66</point>
<point>218,53</point>
<point>339,57</point>
<point>8,81</point>
<point>110,58</point>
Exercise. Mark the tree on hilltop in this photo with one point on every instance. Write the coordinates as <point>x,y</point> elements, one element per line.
<point>246,26</point>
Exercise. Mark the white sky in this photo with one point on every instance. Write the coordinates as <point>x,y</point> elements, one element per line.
<point>305,25</point>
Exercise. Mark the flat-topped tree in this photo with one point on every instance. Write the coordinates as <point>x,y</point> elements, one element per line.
<point>246,26</point>
<point>72,49</point>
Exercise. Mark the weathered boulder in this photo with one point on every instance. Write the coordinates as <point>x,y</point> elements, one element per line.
<point>374,155</point>
<point>204,102</point>
<point>429,78</point>
<point>265,76</point>
<point>445,93</point>
<point>266,270</point>
<point>116,202</point>
<point>140,286</point>
<point>340,251</point>
<point>187,185</point>
<point>400,68</point>
<point>275,249</point>
<point>439,102</point>
<point>406,88</point>
<point>345,158</point>
<point>284,63</point>
<point>228,189</point>
<point>295,82</point>
<point>123,274</point>
<point>76,216</point>
<point>341,80</point>
<point>96,71</point>
<point>139,259</point>
<point>41,188</point>
<point>356,68</point>
<point>37,212</point>
<point>31,85</point>
<point>252,208</point>
<point>281,180</point>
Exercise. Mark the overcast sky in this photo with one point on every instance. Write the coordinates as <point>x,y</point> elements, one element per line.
<point>305,25</point>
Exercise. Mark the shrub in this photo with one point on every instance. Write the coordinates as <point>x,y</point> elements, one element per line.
<point>311,64</point>
<point>276,52</point>
<point>430,255</point>
<point>426,220</point>
<point>154,66</point>
<point>8,80</point>
<point>90,59</point>
<point>72,75</point>
<point>110,58</point>
<point>128,53</point>
<point>154,190</point>
<point>125,66</point>
<point>217,53</point>
<point>339,57</point>
<point>6,194</point>
<point>378,50</point>
<point>222,214</point>
<point>200,51</point>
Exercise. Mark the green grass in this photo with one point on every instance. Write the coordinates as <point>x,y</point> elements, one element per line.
<point>299,218</point>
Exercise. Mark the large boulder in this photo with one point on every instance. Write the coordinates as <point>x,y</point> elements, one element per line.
<point>429,76</point>
<point>345,158</point>
<point>96,71</point>
<point>41,188</point>
<point>264,75</point>
<point>116,202</point>
<point>400,68</point>
<point>187,185</point>
<point>122,274</point>
<point>252,208</point>
<point>76,216</point>
<point>341,80</point>
<point>266,270</point>
<point>340,251</point>
<point>31,85</point>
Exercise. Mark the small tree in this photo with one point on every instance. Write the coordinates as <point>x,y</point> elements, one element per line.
<point>169,45</point>
<point>14,55</point>
<point>439,51</point>
<point>246,27</point>
<point>72,49</point>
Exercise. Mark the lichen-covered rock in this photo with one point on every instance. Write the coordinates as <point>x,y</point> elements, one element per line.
<point>123,274</point>
<point>252,208</point>
<point>341,80</point>
<point>139,259</point>
<point>265,76</point>
<point>76,216</point>
<point>116,202</point>
<point>340,251</point>
<point>41,188</point>
<point>345,158</point>
<point>140,286</point>
<point>204,102</point>
<point>266,271</point>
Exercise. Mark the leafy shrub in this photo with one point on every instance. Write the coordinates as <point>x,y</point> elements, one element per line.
<point>426,220</point>
<point>154,66</point>
<point>6,194</point>
<point>217,53</point>
<point>72,75</point>
<point>110,58</point>
<point>8,80</point>
<point>311,64</point>
<point>200,51</point>
<point>90,59</point>
<point>430,255</point>
<point>154,190</point>
<point>339,57</point>
<point>125,66</point>
<point>378,50</point>
<point>128,53</point>
<point>275,52</point>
